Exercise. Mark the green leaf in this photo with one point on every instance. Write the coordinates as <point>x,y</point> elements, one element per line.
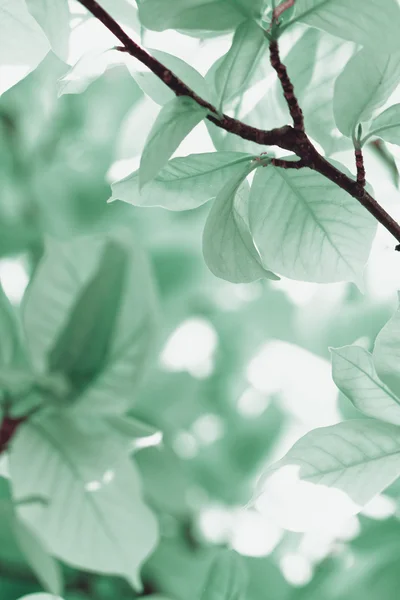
<point>82,348</point>
<point>157,90</point>
<point>386,353</point>
<point>228,248</point>
<point>40,596</point>
<point>45,567</point>
<point>95,518</point>
<point>227,577</point>
<point>138,434</point>
<point>234,71</point>
<point>361,457</point>
<point>197,15</point>
<point>12,352</point>
<point>90,315</point>
<point>174,122</point>
<point>53,17</point>
<point>386,125</point>
<point>307,228</point>
<point>354,373</point>
<point>377,27</point>
<point>184,183</point>
<point>364,86</point>
<point>23,44</point>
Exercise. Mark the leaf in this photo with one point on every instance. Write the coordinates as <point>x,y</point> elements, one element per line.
<point>95,518</point>
<point>112,348</point>
<point>82,348</point>
<point>40,596</point>
<point>175,121</point>
<point>23,44</point>
<point>226,579</point>
<point>361,457</point>
<point>53,17</point>
<point>228,248</point>
<point>234,71</point>
<point>354,373</point>
<point>184,183</point>
<point>376,27</point>
<point>157,90</point>
<point>365,84</point>
<point>139,434</point>
<point>45,567</point>
<point>86,70</point>
<point>307,228</point>
<point>12,352</point>
<point>387,125</point>
<point>197,15</point>
<point>386,353</point>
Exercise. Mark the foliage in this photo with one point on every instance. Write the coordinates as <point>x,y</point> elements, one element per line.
<point>202,399</point>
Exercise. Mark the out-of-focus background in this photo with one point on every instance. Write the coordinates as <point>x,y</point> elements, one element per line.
<point>241,371</point>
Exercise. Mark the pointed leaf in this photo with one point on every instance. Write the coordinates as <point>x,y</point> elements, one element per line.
<point>386,353</point>
<point>95,518</point>
<point>23,45</point>
<point>365,84</point>
<point>184,183</point>
<point>248,46</point>
<point>307,228</point>
<point>228,248</point>
<point>175,121</point>
<point>361,457</point>
<point>45,567</point>
<point>79,325</point>
<point>387,125</point>
<point>377,27</point>
<point>53,17</point>
<point>354,373</point>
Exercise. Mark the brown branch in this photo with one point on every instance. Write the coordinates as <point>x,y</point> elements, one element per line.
<point>287,86</point>
<point>288,164</point>
<point>8,428</point>
<point>286,137</point>
<point>360,166</point>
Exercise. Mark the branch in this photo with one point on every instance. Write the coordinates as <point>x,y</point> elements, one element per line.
<point>286,137</point>
<point>287,86</point>
<point>288,164</point>
<point>360,166</point>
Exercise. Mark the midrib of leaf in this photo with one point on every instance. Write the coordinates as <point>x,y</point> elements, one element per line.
<point>318,223</point>
<point>212,170</point>
<point>378,383</point>
<point>88,495</point>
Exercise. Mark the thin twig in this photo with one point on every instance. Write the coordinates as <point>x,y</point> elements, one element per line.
<point>287,86</point>
<point>360,166</point>
<point>288,164</point>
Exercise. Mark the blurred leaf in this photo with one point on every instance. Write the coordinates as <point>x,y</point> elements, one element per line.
<point>354,373</point>
<point>351,21</point>
<point>22,43</point>
<point>53,17</point>
<point>365,84</point>
<point>184,183</point>
<point>81,350</point>
<point>43,565</point>
<point>175,121</point>
<point>139,434</point>
<point>228,248</point>
<point>104,526</point>
<point>307,228</point>
<point>360,457</point>
<point>386,353</point>
<point>60,287</point>
<point>40,596</point>
<point>226,579</point>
